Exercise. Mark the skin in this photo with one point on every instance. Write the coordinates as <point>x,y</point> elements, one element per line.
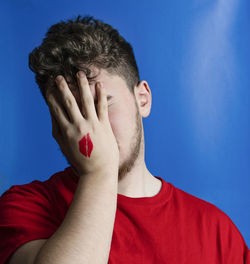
<point>86,145</point>
<point>134,180</point>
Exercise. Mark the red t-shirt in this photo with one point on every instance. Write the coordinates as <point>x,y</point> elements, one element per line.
<point>171,227</point>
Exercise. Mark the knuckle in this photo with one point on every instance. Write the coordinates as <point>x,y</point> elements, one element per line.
<point>104,107</point>
<point>56,109</point>
<point>49,98</point>
<point>68,102</point>
<point>83,82</point>
<point>61,87</point>
<point>83,79</point>
<point>79,128</point>
<point>88,100</point>
<point>68,132</point>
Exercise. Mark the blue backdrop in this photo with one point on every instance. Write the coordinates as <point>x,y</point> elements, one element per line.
<point>194,55</point>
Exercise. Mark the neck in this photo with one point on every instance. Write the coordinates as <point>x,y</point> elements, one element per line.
<point>139,182</point>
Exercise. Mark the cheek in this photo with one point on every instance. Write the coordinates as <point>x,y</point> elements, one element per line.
<point>120,120</point>
<point>114,122</point>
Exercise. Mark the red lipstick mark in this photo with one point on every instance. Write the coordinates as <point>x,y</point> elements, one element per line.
<point>86,145</point>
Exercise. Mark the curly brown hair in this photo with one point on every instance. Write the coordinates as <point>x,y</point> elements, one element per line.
<point>73,45</point>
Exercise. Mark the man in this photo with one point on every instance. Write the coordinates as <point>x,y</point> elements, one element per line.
<point>106,207</point>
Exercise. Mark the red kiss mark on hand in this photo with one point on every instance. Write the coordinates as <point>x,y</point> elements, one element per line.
<point>86,145</point>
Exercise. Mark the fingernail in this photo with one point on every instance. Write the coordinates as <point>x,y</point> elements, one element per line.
<point>59,78</point>
<point>100,84</point>
<point>81,74</point>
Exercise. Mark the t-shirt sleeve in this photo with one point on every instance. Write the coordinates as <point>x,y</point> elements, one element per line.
<point>25,214</point>
<point>231,242</point>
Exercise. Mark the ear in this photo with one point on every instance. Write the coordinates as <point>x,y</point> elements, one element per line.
<point>143,98</point>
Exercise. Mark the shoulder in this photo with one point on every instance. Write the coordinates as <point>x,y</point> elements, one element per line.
<point>43,188</point>
<point>214,224</point>
<point>191,203</point>
<point>195,205</point>
<point>28,212</point>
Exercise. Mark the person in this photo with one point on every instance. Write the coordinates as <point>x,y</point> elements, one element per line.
<point>106,206</point>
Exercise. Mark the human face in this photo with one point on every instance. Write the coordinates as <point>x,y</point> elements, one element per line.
<point>123,113</point>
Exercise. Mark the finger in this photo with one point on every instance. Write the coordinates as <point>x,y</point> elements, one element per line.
<point>69,101</point>
<point>58,112</point>
<point>56,132</point>
<point>55,127</point>
<point>86,97</point>
<point>102,106</point>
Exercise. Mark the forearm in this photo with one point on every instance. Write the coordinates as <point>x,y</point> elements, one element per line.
<point>86,232</point>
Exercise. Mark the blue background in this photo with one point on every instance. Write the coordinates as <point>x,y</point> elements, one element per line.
<point>195,56</point>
